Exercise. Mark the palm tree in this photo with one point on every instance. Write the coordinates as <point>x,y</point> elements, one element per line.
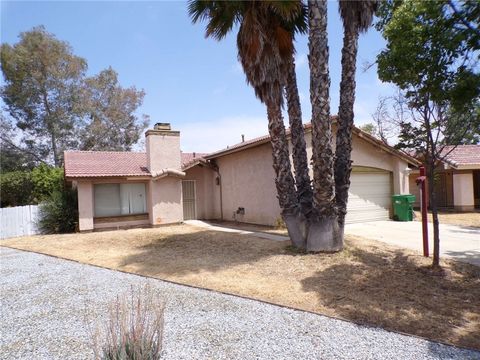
<point>357,16</point>
<point>266,52</point>
<point>324,231</point>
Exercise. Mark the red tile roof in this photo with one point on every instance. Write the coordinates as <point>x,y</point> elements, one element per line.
<point>111,163</point>
<point>188,158</point>
<point>105,163</point>
<point>463,155</point>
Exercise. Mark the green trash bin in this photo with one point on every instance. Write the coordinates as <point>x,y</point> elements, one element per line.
<point>403,207</point>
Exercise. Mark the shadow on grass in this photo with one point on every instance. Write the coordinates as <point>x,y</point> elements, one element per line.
<point>211,251</point>
<point>390,290</point>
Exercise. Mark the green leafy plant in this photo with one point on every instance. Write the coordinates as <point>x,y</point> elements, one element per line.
<point>134,330</point>
<point>46,179</point>
<point>16,188</point>
<point>59,212</point>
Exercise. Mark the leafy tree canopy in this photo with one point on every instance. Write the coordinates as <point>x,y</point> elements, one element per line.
<point>57,108</point>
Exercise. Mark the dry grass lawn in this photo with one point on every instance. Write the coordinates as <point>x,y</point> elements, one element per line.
<point>454,218</point>
<point>369,282</point>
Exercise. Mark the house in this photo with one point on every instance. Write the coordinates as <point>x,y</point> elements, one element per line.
<point>457,183</point>
<point>164,185</point>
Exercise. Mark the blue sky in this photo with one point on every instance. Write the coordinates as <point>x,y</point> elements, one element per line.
<point>192,82</point>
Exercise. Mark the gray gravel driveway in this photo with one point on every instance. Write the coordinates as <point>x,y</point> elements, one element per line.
<point>44,301</point>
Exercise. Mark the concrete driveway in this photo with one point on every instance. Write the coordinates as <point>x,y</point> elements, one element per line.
<point>458,242</point>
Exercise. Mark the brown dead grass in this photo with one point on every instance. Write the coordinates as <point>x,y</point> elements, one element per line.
<point>454,218</point>
<point>369,282</point>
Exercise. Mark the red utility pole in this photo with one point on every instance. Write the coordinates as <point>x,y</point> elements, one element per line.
<point>422,181</point>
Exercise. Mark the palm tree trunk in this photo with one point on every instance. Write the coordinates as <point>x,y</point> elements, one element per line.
<point>343,162</point>
<point>299,149</point>
<point>323,232</point>
<point>283,175</point>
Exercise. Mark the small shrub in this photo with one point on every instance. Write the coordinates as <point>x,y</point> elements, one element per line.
<point>59,212</point>
<point>279,223</point>
<point>134,330</point>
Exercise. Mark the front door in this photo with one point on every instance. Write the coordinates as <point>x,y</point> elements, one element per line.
<point>188,192</point>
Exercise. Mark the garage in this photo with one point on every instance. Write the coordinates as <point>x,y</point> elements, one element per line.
<point>369,197</point>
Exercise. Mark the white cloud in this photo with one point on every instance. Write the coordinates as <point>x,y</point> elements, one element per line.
<point>209,136</point>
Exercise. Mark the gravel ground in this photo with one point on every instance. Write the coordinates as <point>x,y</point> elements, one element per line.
<point>44,302</point>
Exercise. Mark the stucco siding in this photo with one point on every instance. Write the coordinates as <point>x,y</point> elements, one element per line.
<point>248,181</point>
<point>85,205</point>
<point>206,188</point>
<point>165,201</point>
<point>463,198</point>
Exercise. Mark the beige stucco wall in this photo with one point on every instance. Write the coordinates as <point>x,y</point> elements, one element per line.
<point>463,198</point>
<point>165,201</point>
<point>207,192</point>
<point>248,179</point>
<point>163,150</point>
<point>85,205</point>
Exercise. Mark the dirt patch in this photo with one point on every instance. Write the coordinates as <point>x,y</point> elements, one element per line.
<point>454,218</point>
<point>369,282</point>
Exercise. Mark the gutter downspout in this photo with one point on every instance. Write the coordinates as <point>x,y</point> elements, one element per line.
<point>217,170</point>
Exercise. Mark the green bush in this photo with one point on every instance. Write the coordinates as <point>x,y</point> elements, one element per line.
<point>59,212</point>
<point>46,179</point>
<point>19,188</point>
<point>16,189</point>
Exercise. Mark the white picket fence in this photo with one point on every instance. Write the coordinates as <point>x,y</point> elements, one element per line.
<point>18,221</point>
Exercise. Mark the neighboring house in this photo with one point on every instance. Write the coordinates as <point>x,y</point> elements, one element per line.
<point>163,185</point>
<point>457,183</point>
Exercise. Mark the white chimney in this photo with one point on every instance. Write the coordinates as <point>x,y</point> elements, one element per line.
<point>163,148</point>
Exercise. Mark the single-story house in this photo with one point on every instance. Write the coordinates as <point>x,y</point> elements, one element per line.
<point>164,185</point>
<point>457,183</point>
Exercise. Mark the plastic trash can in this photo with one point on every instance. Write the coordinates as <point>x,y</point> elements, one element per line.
<point>403,207</point>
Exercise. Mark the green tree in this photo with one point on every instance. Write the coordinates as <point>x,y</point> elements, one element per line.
<point>42,81</point>
<point>14,157</point>
<point>432,57</point>
<point>369,128</point>
<point>58,108</point>
<point>112,123</point>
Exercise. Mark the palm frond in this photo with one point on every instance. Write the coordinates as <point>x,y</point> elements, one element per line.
<point>357,15</point>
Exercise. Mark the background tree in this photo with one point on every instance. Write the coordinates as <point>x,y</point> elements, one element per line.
<point>57,108</point>
<point>369,128</point>
<point>434,61</point>
<point>112,123</point>
<point>14,156</point>
<point>42,80</point>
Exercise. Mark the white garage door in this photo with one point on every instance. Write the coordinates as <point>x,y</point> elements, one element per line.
<point>369,197</point>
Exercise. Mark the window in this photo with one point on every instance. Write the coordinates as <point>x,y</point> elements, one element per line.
<point>119,199</point>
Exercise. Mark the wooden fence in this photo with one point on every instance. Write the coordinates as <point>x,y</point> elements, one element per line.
<point>18,221</point>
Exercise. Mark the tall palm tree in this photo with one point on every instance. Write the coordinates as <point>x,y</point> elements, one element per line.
<point>357,16</point>
<point>266,52</point>
<point>324,232</point>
